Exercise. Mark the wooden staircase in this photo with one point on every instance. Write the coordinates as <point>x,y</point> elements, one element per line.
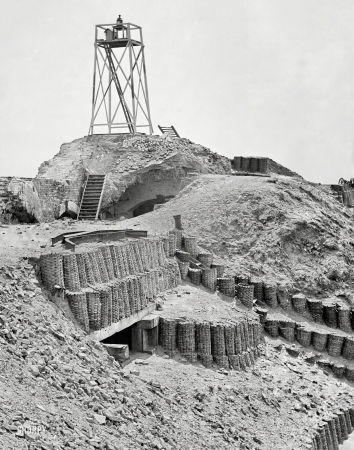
<point>171,131</point>
<point>92,197</point>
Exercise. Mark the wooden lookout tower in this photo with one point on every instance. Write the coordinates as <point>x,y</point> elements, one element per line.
<point>120,100</point>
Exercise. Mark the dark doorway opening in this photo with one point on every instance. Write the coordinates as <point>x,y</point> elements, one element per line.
<point>122,337</point>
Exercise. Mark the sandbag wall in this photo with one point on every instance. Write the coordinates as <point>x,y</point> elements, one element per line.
<point>228,344</point>
<point>250,164</point>
<point>334,429</point>
<point>110,282</point>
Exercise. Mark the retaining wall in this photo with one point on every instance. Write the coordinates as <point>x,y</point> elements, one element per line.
<point>333,430</point>
<point>107,283</point>
<point>232,344</point>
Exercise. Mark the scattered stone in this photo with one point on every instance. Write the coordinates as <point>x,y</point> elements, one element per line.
<point>99,419</point>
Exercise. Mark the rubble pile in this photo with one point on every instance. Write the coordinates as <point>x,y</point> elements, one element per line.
<point>283,230</point>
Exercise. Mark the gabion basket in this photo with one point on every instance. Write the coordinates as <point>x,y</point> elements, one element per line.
<point>244,336</point>
<point>226,286</point>
<point>287,330</point>
<point>238,339</point>
<point>206,359</point>
<point>234,361</point>
<point>348,420</point>
<point>95,267</point>
<point>183,267</point>
<point>220,269</point>
<point>166,246</point>
<point>319,340</point>
<point>93,309</point>
<point>262,312</point>
<point>209,278</point>
<point>106,306</point>
<point>191,245</point>
<point>344,321</point>
<point>330,315</point>
<point>270,295</point>
<point>107,259</point>
<point>242,361</point>
<point>81,269</point>
<point>52,270</point>
<point>71,272</point>
<point>195,275</point>
<point>316,309</point>
<point>258,289</point>
<point>101,266</point>
<point>115,302</point>
<point>135,248</point>
<point>271,326</point>
<point>237,163</point>
<point>191,357</point>
<point>78,305</point>
<point>217,340</point>
<point>283,298</point>
<point>206,259</point>
<point>343,425</point>
<point>348,348</point>
<point>338,370</point>
<point>335,344</point>
<point>178,236</point>
<point>183,256</point>
<point>241,279</point>
<point>222,361</point>
<point>299,302</point>
<point>325,364</point>
<point>229,330</point>
<point>251,336</point>
<point>349,374</point>
<point>304,335</point>
<point>89,271</point>
<point>125,296</point>
<point>168,334</point>
<point>186,337</point>
<point>203,334</point>
<point>253,168</point>
<point>245,294</point>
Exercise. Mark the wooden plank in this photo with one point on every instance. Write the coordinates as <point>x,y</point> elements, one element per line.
<point>149,321</point>
<point>120,352</point>
<point>122,324</point>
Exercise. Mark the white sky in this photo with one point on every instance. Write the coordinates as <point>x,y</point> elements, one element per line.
<point>242,77</point>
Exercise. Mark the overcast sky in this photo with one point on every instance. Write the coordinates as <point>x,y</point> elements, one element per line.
<point>242,77</point>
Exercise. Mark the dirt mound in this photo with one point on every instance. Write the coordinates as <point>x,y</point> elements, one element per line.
<point>126,161</point>
<point>279,228</point>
